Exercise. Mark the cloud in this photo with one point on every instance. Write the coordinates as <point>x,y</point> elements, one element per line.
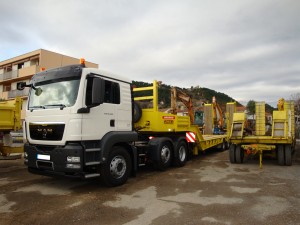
<point>246,49</point>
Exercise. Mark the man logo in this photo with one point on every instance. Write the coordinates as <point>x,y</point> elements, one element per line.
<point>45,132</point>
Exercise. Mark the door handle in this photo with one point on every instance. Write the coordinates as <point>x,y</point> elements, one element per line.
<point>112,123</point>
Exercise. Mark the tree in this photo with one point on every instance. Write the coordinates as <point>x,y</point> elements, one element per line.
<point>251,107</point>
<point>296,99</point>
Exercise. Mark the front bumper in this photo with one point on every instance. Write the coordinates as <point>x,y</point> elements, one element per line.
<point>65,160</point>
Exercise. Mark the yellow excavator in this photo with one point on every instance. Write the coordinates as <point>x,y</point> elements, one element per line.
<point>214,118</point>
<point>218,114</point>
<point>185,99</point>
<point>11,138</point>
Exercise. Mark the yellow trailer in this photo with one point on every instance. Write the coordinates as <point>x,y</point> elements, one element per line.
<point>10,122</point>
<point>280,142</point>
<point>156,124</point>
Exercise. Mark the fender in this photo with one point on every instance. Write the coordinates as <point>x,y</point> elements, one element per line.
<point>112,138</point>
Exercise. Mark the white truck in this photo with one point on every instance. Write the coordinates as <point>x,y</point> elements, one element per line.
<point>83,122</point>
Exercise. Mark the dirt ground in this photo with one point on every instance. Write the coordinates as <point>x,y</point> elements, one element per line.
<point>208,190</point>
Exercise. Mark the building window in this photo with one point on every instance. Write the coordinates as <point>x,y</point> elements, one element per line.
<point>8,69</point>
<point>6,87</point>
<point>20,65</point>
<point>34,62</point>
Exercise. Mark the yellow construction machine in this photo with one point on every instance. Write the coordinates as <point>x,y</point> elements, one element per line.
<point>11,138</point>
<point>213,118</point>
<point>185,99</point>
<point>280,143</point>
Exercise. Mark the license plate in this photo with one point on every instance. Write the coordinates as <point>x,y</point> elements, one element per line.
<point>43,157</point>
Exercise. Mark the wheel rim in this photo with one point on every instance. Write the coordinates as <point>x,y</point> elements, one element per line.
<point>182,153</point>
<point>118,167</point>
<point>165,154</point>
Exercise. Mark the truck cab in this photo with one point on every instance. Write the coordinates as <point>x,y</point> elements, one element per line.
<point>74,116</point>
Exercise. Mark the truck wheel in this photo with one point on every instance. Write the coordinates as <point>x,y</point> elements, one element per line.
<point>239,154</point>
<point>288,155</point>
<point>280,155</point>
<point>181,153</point>
<point>165,156</point>
<point>137,112</point>
<point>232,153</point>
<point>116,170</point>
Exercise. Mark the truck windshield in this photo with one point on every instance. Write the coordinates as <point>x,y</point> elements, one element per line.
<point>54,94</point>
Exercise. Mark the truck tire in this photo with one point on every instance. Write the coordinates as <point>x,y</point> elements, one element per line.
<point>117,169</point>
<point>165,155</point>
<point>232,153</point>
<point>239,154</point>
<point>288,155</point>
<point>137,112</point>
<point>280,155</point>
<point>180,154</point>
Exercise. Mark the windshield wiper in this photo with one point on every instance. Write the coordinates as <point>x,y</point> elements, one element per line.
<point>36,107</point>
<point>61,106</point>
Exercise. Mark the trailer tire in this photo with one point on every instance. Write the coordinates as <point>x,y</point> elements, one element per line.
<point>239,154</point>
<point>288,155</point>
<point>232,153</point>
<point>224,145</point>
<point>180,154</point>
<point>165,154</point>
<point>137,112</point>
<point>280,155</point>
<point>117,169</point>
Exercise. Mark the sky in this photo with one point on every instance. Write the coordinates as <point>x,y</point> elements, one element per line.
<point>247,49</point>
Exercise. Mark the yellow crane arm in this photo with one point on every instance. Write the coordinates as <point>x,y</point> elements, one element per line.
<point>185,99</point>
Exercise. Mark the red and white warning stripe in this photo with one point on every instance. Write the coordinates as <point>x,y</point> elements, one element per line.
<point>190,137</point>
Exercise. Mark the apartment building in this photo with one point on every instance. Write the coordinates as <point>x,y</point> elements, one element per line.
<point>23,67</point>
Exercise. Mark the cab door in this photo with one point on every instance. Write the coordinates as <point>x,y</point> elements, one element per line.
<point>102,107</point>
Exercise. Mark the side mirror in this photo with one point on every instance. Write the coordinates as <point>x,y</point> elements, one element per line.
<point>94,91</point>
<point>21,85</point>
<point>98,87</point>
<point>38,91</point>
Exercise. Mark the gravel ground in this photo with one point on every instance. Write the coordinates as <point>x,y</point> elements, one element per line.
<point>208,190</point>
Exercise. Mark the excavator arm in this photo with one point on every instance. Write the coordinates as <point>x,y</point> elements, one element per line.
<point>218,114</point>
<point>185,99</point>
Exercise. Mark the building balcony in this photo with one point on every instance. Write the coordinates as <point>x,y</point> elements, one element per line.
<point>15,93</point>
<point>9,75</point>
<point>4,95</point>
<point>26,71</point>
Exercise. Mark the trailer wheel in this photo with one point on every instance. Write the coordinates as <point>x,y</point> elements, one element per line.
<point>288,155</point>
<point>224,145</point>
<point>116,170</point>
<point>232,153</point>
<point>239,154</point>
<point>280,155</point>
<point>180,153</point>
<point>165,156</point>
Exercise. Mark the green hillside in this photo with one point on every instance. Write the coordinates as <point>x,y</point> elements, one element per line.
<point>198,94</point>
